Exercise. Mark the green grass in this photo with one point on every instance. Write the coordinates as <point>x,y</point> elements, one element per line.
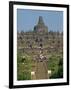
<point>24,66</point>
<point>55,66</point>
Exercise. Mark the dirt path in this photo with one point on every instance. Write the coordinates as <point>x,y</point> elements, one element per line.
<point>40,70</point>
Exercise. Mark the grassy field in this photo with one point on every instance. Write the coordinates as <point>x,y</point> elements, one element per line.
<point>25,63</point>
<point>55,64</point>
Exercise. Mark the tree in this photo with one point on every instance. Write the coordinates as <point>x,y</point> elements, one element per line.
<point>59,72</point>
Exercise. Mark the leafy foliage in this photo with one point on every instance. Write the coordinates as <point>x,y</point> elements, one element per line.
<point>24,67</point>
<point>55,64</point>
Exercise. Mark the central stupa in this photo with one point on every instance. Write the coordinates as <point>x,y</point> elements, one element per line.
<point>40,27</point>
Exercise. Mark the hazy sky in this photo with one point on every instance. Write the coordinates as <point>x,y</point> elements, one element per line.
<point>27,19</point>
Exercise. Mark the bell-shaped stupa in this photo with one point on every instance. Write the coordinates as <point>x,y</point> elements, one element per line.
<point>40,27</point>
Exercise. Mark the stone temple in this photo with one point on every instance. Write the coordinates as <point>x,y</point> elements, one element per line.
<point>40,27</point>
<point>38,45</point>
